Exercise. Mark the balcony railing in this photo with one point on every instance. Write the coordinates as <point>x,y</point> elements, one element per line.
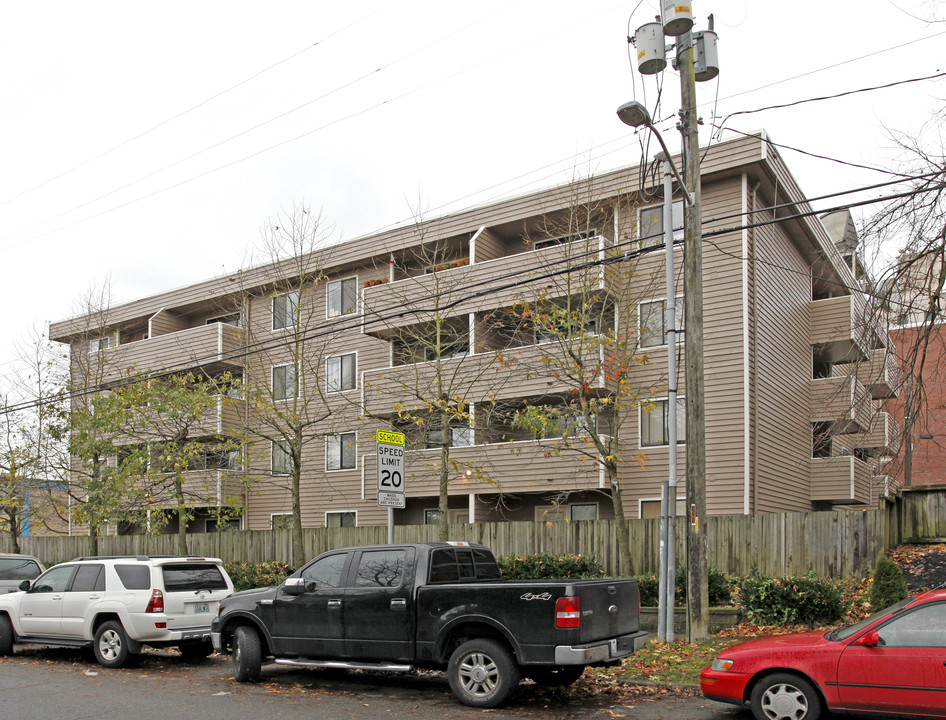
<point>512,467</point>
<point>840,480</point>
<point>204,488</point>
<point>838,330</point>
<point>510,373</point>
<point>883,437</point>
<point>843,401</point>
<point>481,286</point>
<point>217,343</point>
<point>880,374</point>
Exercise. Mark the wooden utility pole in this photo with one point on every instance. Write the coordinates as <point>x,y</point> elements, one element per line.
<point>697,587</point>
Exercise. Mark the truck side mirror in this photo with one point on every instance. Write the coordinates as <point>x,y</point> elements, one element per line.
<point>25,585</point>
<point>294,586</point>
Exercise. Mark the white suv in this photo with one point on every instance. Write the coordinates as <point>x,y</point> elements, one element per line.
<point>118,604</point>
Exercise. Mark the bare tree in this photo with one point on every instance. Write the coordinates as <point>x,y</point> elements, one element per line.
<point>439,373</point>
<point>288,374</point>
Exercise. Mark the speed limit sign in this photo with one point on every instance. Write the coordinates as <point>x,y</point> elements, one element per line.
<point>391,484</point>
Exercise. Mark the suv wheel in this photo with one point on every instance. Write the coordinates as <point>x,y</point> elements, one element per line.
<point>111,645</point>
<point>6,635</point>
<point>247,654</point>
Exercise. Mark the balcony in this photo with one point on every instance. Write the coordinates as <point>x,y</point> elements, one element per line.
<point>204,488</point>
<point>520,372</point>
<point>838,330</point>
<point>882,438</point>
<point>843,401</point>
<point>880,374</point>
<point>513,467</point>
<point>840,481</point>
<point>217,343</point>
<point>481,286</point>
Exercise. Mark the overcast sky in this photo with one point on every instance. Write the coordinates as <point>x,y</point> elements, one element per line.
<point>147,143</point>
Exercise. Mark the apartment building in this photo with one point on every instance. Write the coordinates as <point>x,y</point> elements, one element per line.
<point>503,339</point>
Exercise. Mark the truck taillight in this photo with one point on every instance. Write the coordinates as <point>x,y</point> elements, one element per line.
<point>156,603</point>
<point>567,612</point>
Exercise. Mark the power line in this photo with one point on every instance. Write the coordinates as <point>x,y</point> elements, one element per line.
<point>409,307</point>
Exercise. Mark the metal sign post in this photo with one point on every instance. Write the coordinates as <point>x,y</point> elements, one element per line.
<point>391,483</point>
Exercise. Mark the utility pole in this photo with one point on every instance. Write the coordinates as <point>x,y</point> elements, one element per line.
<point>697,581</point>
<point>697,61</point>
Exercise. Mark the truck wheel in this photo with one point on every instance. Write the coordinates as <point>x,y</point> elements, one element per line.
<point>111,645</point>
<point>785,696</point>
<point>482,673</point>
<point>195,652</point>
<point>6,636</point>
<point>555,675</point>
<point>247,655</point>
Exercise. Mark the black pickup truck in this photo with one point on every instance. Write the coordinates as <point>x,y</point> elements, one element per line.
<point>431,605</point>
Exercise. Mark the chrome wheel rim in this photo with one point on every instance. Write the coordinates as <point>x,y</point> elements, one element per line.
<point>784,702</point>
<point>110,644</point>
<point>478,674</point>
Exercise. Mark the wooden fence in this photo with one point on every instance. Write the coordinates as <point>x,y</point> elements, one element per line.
<point>830,544</point>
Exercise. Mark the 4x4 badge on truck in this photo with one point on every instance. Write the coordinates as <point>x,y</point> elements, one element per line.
<point>532,596</point>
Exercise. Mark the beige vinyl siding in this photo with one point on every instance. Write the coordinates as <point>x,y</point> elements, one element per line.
<point>163,322</point>
<point>782,478</point>
<point>489,246</point>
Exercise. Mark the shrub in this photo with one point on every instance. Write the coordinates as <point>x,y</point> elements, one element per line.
<point>888,586</point>
<point>807,600</point>
<point>720,588</point>
<point>543,566</point>
<point>254,575</point>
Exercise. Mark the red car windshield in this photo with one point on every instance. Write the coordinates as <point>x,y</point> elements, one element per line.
<point>843,633</point>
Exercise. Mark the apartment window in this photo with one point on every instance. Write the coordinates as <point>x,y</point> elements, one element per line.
<point>284,310</point>
<point>459,437</point>
<point>568,426</point>
<point>340,451</point>
<point>284,382</point>
<point>282,521</point>
<point>100,343</point>
<point>650,230</point>
<point>456,349</point>
<point>231,319</point>
<point>573,512</point>
<point>653,321</point>
<point>650,509</point>
<point>342,297</point>
<point>546,335</point>
<point>562,239</point>
<point>341,371</point>
<point>341,519</point>
<point>654,423</point>
<point>281,458</point>
<point>221,524</point>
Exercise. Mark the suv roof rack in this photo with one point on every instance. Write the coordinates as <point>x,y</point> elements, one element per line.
<point>141,558</point>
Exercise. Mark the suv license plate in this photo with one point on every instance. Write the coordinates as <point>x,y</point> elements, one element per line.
<point>201,607</point>
<point>614,647</point>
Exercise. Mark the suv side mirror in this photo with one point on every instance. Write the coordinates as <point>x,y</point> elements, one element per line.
<point>294,586</point>
<point>25,585</point>
<point>871,639</point>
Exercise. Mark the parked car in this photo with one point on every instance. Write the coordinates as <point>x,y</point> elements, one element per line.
<point>117,604</point>
<point>14,569</point>
<point>894,662</point>
<point>433,605</point>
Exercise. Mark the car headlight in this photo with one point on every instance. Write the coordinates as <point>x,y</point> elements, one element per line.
<point>722,664</point>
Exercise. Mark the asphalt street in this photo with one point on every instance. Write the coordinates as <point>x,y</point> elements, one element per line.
<point>62,684</point>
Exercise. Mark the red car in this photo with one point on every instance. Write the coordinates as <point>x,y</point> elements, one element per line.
<point>893,662</point>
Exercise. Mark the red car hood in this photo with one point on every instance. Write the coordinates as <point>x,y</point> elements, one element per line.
<point>792,642</point>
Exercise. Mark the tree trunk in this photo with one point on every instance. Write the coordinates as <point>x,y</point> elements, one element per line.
<point>624,543</point>
<point>181,516</point>
<point>444,505</point>
<point>296,528</point>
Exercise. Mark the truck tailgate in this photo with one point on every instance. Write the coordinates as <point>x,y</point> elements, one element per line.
<point>608,608</point>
